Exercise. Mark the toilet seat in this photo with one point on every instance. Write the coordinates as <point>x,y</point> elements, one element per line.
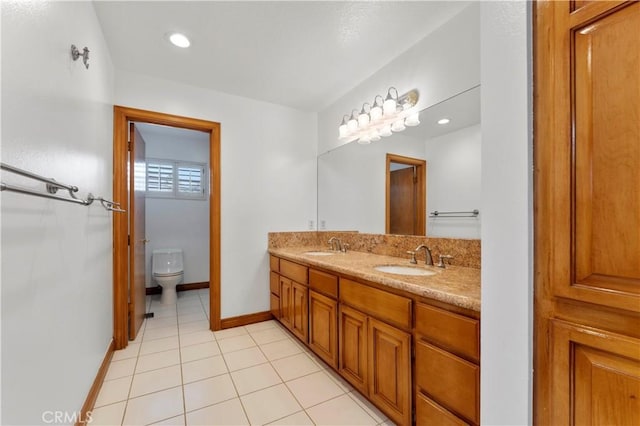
<point>171,274</point>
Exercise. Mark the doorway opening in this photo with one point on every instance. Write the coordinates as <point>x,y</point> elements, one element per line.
<point>128,299</point>
<point>405,195</point>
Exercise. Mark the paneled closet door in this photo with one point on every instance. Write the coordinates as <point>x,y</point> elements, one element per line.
<point>587,212</point>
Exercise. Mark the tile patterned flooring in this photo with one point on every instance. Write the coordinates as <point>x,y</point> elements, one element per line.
<point>177,372</point>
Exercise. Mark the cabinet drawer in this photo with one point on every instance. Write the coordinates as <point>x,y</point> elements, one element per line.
<point>378,303</point>
<point>274,263</point>
<point>275,306</point>
<point>450,381</point>
<point>294,271</point>
<point>430,413</point>
<point>274,283</point>
<point>323,282</point>
<point>453,332</point>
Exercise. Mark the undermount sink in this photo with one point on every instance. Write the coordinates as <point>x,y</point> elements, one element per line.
<point>319,253</point>
<point>404,270</point>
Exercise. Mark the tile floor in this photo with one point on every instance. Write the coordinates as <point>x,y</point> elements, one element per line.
<point>177,372</point>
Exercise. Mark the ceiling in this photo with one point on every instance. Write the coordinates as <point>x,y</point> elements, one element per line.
<point>301,54</point>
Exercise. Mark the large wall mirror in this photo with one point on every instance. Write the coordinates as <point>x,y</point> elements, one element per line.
<point>352,179</point>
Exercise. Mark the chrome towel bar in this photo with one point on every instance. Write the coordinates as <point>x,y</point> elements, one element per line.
<point>52,188</point>
<point>472,213</point>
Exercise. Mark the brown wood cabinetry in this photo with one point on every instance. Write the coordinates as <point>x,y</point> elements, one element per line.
<point>447,373</point>
<point>323,330</point>
<point>353,348</point>
<point>365,333</point>
<point>587,216</point>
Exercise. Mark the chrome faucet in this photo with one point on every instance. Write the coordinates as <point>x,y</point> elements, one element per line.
<point>335,244</point>
<point>444,257</point>
<point>428,260</point>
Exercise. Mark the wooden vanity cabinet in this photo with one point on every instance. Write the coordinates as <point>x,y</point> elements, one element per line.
<point>375,356</point>
<point>293,297</point>
<point>447,371</point>
<point>323,316</point>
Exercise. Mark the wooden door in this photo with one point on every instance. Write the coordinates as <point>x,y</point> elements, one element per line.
<point>299,310</point>
<point>403,201</point>
<point>286,299</point>
<point>389,362</point>
<point>352,350</point>
<point>137,231</point>
<point>587,212</point>
<point>323,325</point>
<point>406,193</point>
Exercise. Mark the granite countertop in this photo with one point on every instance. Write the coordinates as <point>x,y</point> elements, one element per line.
<point>455,285</point>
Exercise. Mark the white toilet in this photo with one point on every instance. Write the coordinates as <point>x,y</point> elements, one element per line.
<point>167,269</point>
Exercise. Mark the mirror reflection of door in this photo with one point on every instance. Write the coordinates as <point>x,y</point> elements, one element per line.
<point>406,195</point>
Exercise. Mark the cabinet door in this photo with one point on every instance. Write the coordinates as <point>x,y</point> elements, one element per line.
<point>323,321</point>
<point>299,310</point>
<point>389,361</point>
<point>285,302</point>
<point>352,350</point>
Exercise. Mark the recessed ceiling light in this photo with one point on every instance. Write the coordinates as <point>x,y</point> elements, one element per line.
<point>444,121</point>
<point>179,40</point>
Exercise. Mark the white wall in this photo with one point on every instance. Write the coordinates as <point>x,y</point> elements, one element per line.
<point>56,257</point>
<point>179,223</point>
<point>443,64</point>
<point>268,175</point>
<point>453,182</point>
<point>506,215</point>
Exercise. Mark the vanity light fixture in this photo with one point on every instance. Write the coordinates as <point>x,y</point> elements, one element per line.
<point>180,40</point>
<point>385,116</point>
<point>444,121</point>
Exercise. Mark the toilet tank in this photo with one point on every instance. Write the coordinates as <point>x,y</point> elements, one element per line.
<point>166,261</point>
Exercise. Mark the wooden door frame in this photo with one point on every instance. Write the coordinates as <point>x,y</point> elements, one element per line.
<point>421,173</point>
<point>121,117</point>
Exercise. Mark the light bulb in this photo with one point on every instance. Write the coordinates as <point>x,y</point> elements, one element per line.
<point>389,106</point>
<point>179,40</point>
<point>376,113</point>
<point>385,131</point>
<point>374,135</point>
<point>352,124</point>
<point>364,140</point>
<point>343,130</point>
<point>412,120</point>
<point>398,125</point>
<point>363,120</point>
<point>444,121</point>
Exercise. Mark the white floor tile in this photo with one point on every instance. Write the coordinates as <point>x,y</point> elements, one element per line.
<point>198,316</point>
<point>156,380</point>
<point>233,344</point>
<point>113,391</point>
<point>196,338</point>
<point>161,311</point>
<point>260,326</point>
<point>342,383</point>
<point>225,413</point>
<point>119,369</point>
<point>340,411</point>
<point>153,323</point>
<point>371,409</point>
<point>158,360</point>
<point>199,351</point>
<point>159,345</point>
<point>194,326</point>
<point>297,419</point>
<point>108,415</point>
<point>255,378</point>
<point>295,366</point>
<point>313,389</point>
<point>160,333</point>
<point>203,369</point>
<point>280,349</point>
<point>270,404</point>
<point>131,351</point>
<point>154,407</point>
<point>244,358</point>
<point>173,421</point>
<point>208,392</point>
<point>268,335</point>
<point>230,332</point>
